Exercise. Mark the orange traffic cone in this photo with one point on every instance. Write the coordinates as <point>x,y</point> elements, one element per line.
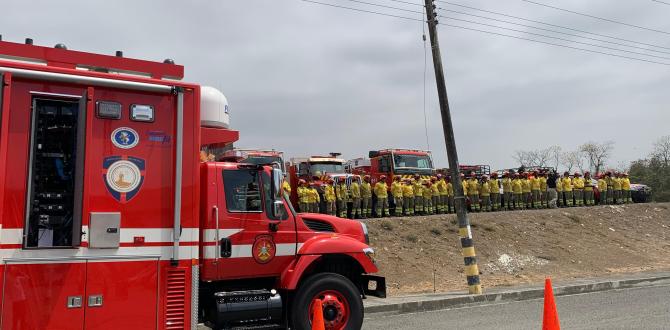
<point>317,316</point>
<point>550,320</point>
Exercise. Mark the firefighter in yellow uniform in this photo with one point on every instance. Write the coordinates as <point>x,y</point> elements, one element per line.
<point>366,197</point>
<point>355,192</point>
<point>567,189</point>
<point>507,192</point>
<point>527,191</point>
<point>536,189</point>
<point>427,197</point>
<point>485,194</point>
<point>616,183</point>
<point>588,190</point>
<point>494,190</point>
<point>578,189</point>
<point>303,197</point>
<point>381,193</point>
<point>435,190</point>
<point>602,188</point>
<point>408,198</point>
<point>473,192</point>
<point>544,190</point>
<point>625,187</point>
<point>329,196</point>
<point>559,191</point>
<point>451,207</point>
<point>610,187</point>
<point>418,195</point>
<point>314,199</point>
<point>396,192</point>
<point>342,195</point>
<point>286,187</point>
<point>517,190</point>
<point>444,194</point>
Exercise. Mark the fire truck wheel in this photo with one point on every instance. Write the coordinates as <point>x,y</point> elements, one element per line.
<point>342,303</point>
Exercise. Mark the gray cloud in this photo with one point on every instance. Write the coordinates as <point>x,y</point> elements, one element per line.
<point>310,79</point>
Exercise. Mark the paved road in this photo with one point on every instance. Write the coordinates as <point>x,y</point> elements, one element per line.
<point>638,308</point>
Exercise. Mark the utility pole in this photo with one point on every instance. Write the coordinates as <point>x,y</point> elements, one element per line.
<point>464,231</point>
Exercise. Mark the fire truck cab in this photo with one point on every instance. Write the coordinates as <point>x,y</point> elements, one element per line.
<point>393,162</point>
<point>316,170</point>
<point>109,219</point>
<point>255,156</point>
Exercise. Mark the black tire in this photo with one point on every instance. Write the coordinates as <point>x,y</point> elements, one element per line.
<point>312,286</point>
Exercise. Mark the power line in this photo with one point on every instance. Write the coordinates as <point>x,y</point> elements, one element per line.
<point>663,2</point>
<point>407,2</point>
<point>558,45</point>
<point>362,10</point>
<point>557,38</point>
<point>553,31</point>
<point>596,17</point>
<point>385,6</point>
<point>550,24</point>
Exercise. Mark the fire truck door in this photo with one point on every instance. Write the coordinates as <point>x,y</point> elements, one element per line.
<point>265,244</point>
<point>121,294</point>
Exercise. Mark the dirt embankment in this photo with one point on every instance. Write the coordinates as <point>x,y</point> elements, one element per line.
<point>420,254</point>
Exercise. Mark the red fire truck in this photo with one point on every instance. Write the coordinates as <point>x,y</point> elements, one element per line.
<point>317,170</point>
<point>109,220</point>
<point>392,162</point>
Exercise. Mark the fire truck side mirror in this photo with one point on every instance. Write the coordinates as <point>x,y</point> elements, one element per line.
<point>277,203</point>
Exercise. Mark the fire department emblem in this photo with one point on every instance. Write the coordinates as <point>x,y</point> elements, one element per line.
<point>264,249</point>
<point>123,176</point>
<point>125,138</point>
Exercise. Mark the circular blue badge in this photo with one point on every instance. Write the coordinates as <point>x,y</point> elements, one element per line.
<point>125,138</point>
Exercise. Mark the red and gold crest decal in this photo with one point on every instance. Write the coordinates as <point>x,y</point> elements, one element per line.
<point>264,249</point>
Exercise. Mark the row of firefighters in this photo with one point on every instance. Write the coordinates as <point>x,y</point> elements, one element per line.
<point>435,195</point>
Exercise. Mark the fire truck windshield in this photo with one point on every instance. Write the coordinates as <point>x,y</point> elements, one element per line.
<point>412,164</point>
<point>323,168</point>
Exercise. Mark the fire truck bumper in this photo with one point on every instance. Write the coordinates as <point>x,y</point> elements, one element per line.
<point>373,286</point>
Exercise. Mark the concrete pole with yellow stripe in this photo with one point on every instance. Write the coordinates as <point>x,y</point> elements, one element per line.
<point>464,231</point>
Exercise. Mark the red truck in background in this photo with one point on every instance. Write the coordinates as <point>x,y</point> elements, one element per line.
<point>255,156</point>
<point>394,162</point>
<point>317,170</point>
<point>110,220</point>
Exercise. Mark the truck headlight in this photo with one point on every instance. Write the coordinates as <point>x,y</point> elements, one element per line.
<point>365,232</point>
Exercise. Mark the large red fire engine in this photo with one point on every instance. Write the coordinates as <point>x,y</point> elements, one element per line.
<point>316,170</point>
<point>393,162</point>
<point>109,220</point>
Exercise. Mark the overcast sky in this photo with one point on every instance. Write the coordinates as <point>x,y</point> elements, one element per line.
<point>309,79</point>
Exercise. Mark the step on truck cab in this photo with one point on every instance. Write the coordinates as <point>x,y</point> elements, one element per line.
<point>111,219</point>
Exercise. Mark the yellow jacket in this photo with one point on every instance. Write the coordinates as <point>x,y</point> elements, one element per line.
<point>342,193</point>
<point>314,195</point>
<point>567,184</point>
<point>602,185</point>
<point>525,185</point>
<point>435,190</point>
<point>517,186</point>
<point>381,190</point>
<point>543,183</point>
<point>286,186</point>
<point>329,193</point>
<point>559,185</point>
<point>535,183</point>
<point>418,188</point>
<point>507,185</point>
<point>494,186</point>
<point>578,183</point>
<point>473,186</point>
<point>625,183</point>
<point>355,189</point>
<point>366,190</point>
<point>484,189</point>
<point>442,187</point>
<point>616,183</point>
<point>407,190</point>
<point>303,195</point>
<point>427,192</point>
<point>396,189</point>
<point>464,183</point>
<point>450,189</point>
<point>588,184</point>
